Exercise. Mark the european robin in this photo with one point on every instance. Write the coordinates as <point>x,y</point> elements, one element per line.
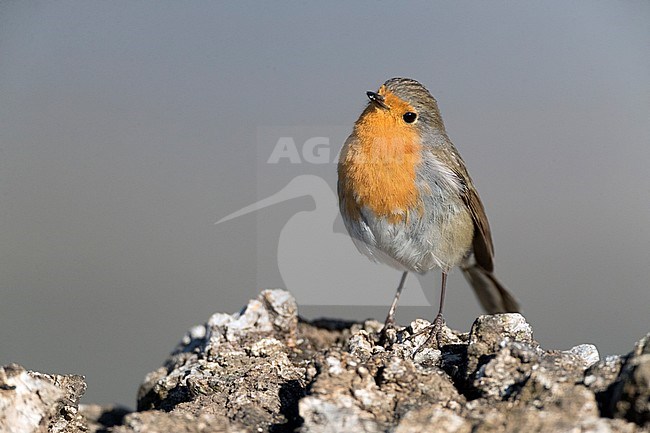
<point>407,200</point>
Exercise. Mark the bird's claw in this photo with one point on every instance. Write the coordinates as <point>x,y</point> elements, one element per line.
<point>388,334</point>
<point>435,333</point>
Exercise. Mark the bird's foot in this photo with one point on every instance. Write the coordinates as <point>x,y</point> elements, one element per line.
<point>435,334</point>
<point>388,334</point>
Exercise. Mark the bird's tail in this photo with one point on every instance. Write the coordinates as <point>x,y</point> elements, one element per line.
<point>492,295</point>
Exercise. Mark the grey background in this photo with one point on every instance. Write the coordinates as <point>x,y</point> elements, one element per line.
<point>128,128</point>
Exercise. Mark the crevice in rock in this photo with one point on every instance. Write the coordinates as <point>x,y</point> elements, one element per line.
<point>290,394</point>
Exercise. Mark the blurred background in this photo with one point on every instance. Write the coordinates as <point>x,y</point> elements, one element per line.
<point>127,129</point>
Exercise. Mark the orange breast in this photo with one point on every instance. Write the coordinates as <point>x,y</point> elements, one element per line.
<point>378,167</point>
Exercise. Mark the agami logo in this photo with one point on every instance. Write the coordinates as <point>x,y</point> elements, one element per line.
<point>319,265</point>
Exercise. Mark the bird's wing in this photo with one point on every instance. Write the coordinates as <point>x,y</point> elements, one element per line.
<point>493,295</point>
<point>482,243</point>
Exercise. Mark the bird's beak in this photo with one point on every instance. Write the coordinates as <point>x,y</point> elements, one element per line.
<point>377,99</point>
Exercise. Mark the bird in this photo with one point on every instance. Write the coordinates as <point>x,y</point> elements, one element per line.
<point>407,200</point>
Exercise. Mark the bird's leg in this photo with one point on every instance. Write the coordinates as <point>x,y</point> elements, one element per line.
<point>390,319</point>
<point>435,329</point>
<point>439,320</point>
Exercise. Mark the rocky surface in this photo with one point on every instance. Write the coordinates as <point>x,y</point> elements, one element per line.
<point>265,370</point>
<point>36,402</point>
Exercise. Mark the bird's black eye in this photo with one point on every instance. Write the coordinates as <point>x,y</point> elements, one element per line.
<point>409,117</point>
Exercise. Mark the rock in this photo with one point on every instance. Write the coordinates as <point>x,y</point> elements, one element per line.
<point>587,352</point>
<point>322,416</point>
<point>603,373</point>
<point>518,420</point>
<point>373,394</point>
<point>490,332</point>
<point>237,367</point>
<point>506,371</point>
<point>99,418</point>
<point>421,421</point>
<point>264,370</point>
<point>37,402</point>
<point>630,393</point>
<point>157,422</point>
